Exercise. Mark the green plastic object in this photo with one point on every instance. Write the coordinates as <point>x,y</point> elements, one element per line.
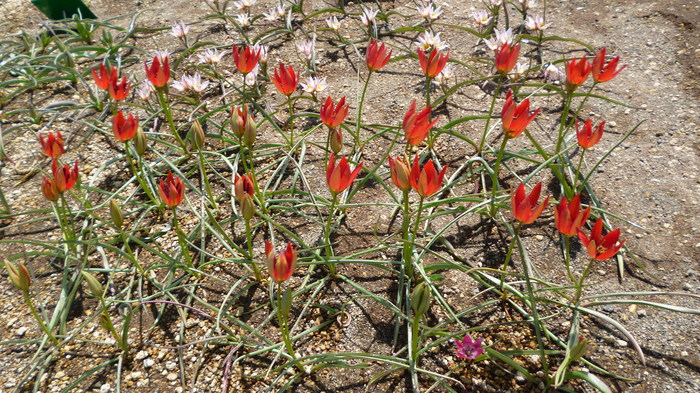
<point>63,9</point>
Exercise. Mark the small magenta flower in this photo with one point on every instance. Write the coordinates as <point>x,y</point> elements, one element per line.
<point>468,348</point>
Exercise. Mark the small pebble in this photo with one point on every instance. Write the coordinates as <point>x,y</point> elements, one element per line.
<point>141,355</point>
<point>621,343</point>
<point>609,308</point>
<point>105,388</point>
<point>520,378</point>
<point>641,313</point>
<point>21,331</point>
<point>148,363</point>
<point>684,354</point>
<point>170,365</point>
<point>171,377</point>
<point>687,286</point>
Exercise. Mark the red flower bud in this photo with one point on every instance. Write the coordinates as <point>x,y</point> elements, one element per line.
<point>171,190</point>
<point>400,174</point>
<point>588,136</point>
<point>525,207</point>
<point>432,65</point>
<point>417,126</point>
<point>281,267</point>
<point>576,73</point>
<point>426,181</point>
<point>245,58</point>
<point>64,178</point>
<point>159,71</point>
<point>103,76</point>
<point>604,72</point>
<point>377,56</point>
<point>568,217</point>
<point>52,146</point>
<point>333,115</point>
<point>506,58</point>
<point>285,80</point>
<point>515,118</point>
<point>124,128</point>
<point>339,177</point>
<point>48,188</point>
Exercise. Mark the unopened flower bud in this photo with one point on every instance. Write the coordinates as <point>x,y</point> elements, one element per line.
<point>95,287</point>
<point>336,140</point>
<point>247,207</point>
<point>140,142</point>
<point>420,299</point>
<point>578,350</point>
<point>19,275</point>
<point>251,131</point>
<point>196,135</point>
<point>116,212</point>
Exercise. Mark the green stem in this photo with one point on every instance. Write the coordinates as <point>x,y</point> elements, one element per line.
<point>415,326</point>
<point>291,122</point>
<point>182,240</point>
<point>165,104</point>
<point>488,119</point>
<point>407,241</point>
<point>205,179</point>
<point>327,239</point>
<point>567,259</point>
<point>416,224</point>
<point>137,175</point>
<point>563,122</point>
<point>578,170</point>
<point>358,141</point>
<point>249,240</point>
<point>284,327</point>
<point>509,255</point>
<point>428,85</point>
<point>579,285</point>
<point>38,318</point>
<point>495,187</point>
<point>537,323</point>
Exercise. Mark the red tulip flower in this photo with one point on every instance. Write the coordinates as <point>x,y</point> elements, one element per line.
<point>103,76</point>
<point>588,136</point>
<point>377,56</point>
<point>506,58</point>
<point>417,126</point>
<point>245,58</point>
<point>604,72</point>
<point>432,65</point>
<point>124,128</point>
<point>525,207</point>
<point>515,118</point>
<point>333,115</point>
<point>281,267</point>
<point>48,188</point>
<point>598,246</point>
<point>158,73</point>
<point>568,217</point>
<point>285,80</point>
<point>64,178</point>
<point>118,90</point>
<point>243,191</point>
<point>339,177</point>
<point>400,174</point>
<point>52,146</point>
<point>171,190</point>
<point>577,72</point>
<point>427,181</point>
<point>242,186</point>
